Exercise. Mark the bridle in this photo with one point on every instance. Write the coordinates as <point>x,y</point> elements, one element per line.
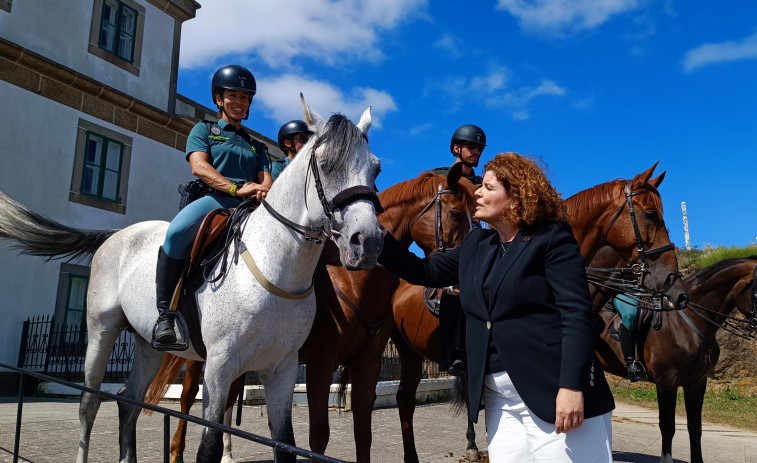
<point>318,234</point>
<point>436,201</point>
<point>641,269</point>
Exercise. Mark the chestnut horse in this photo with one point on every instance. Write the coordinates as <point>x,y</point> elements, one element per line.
<point>684,350</point>
<point>599,216</point>
<point>353,318</point>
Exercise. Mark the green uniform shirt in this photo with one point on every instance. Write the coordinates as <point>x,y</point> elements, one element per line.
<point>278,166</point>
<point>233,153</point>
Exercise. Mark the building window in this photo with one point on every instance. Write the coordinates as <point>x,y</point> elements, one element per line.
<point>117,30</point>
<point>118,27</point>
<point>101,168</point>
<point>76,301</point>
<point>71,306</point>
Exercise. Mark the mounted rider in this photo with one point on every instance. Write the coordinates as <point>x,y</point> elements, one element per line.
<point>467,145</point>
<point>231,165</point>
<point>292,137</point>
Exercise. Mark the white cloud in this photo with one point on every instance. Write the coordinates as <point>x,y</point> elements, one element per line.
<point>450,45</point>
<point>420,129</point>
<point>711,53</point>
<point>558,17</point>
<point>331,31</point>
<point>491,90</point>
<point>281,99</point>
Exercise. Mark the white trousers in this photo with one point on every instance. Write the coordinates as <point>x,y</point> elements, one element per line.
<point>516,435</point>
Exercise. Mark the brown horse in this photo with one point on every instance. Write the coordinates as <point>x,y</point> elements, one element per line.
<point>599,216</point>
<point>684,350</point>
<point>353,310</point>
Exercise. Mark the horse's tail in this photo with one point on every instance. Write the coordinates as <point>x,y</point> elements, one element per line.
<point>460,401</point>
<point>38,235</point>
<point>344,380</point>
<point>169,371</point>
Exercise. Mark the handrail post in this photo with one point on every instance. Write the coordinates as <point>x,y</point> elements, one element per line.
<point>18,416</point>
<point>166,436</point>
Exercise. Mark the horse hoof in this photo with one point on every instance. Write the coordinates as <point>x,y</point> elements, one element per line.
<point>472,455</point>
<point>227,459</point>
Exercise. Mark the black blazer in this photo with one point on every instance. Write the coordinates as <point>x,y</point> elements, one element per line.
<point>539,312</point>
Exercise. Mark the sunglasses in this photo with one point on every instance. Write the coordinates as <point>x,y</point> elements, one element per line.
<point>473,146</point>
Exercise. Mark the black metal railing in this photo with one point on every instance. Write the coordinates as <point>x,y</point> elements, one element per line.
<point>167,414</point>
<point>59,351</point>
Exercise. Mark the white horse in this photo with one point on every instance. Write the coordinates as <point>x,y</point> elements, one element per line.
<point>326,192</point>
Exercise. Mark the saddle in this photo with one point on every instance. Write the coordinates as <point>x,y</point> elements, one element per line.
<point>207,249</point>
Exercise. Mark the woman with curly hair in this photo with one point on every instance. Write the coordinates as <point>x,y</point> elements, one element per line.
<point>530,337</point>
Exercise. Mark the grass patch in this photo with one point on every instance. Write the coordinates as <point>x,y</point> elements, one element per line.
<point>731,406</point>
<point>697,259</point>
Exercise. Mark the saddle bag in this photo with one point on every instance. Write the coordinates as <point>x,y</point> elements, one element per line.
<point>192,191</point>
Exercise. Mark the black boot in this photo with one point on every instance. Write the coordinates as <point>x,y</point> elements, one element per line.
<point>627,340</point>
<point>168,273</point>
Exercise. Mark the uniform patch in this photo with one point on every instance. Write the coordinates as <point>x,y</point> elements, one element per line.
<point>215,131</point>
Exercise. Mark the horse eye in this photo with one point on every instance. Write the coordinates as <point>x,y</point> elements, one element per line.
<point>456,215</point>
<point>652,216</point>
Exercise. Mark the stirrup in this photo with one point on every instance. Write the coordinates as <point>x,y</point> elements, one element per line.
<point>639,372</point>
<point>457,368</point>
<point>163,347</point>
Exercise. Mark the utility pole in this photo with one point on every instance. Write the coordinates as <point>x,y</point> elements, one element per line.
<point>685,225</point>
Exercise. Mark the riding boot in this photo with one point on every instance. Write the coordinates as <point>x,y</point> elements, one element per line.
<point>168,273</point>
<point>627,340</point>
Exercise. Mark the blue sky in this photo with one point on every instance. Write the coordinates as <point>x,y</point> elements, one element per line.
<point>597,89</point>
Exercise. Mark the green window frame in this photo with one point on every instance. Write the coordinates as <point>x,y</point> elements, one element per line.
<point>103,158</point>
<point>118,29</point>
<point>76,302</point>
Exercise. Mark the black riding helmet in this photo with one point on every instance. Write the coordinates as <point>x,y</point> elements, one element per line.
<point>232,77</point>
<point>288,130</point>
<point>470,133</point>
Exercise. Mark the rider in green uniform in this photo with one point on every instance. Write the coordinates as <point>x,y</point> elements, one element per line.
<point>628,309</point>
<point>467,145</point>
<point>292,136</point>
<point>232,164</point>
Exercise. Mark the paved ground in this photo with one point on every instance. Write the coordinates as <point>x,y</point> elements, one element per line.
<point>49,433</point>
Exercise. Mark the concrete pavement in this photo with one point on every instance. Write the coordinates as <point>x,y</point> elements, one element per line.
<point>50,434</point>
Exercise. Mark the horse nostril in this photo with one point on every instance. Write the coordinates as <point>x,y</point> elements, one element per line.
<point>683,299</point>
<point>356,239</point>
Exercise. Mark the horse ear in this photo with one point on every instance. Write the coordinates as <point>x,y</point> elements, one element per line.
<point>643,177</point>
<point>655,182</point>
<point>454,174</point>
<point>312,118</point>
<point>365,121</point>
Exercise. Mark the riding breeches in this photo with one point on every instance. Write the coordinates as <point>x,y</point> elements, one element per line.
<point>183,228</point>
<point>628,309</point>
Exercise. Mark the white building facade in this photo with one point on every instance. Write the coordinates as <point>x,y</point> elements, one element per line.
<point>93,135</point>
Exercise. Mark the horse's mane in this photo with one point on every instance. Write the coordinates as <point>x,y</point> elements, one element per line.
<point>341,135</point>
<point>423,186</point>
<point>707,272</point>
<point>583,203</point>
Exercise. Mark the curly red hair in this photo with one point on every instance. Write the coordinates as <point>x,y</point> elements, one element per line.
<point>536,200</point>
